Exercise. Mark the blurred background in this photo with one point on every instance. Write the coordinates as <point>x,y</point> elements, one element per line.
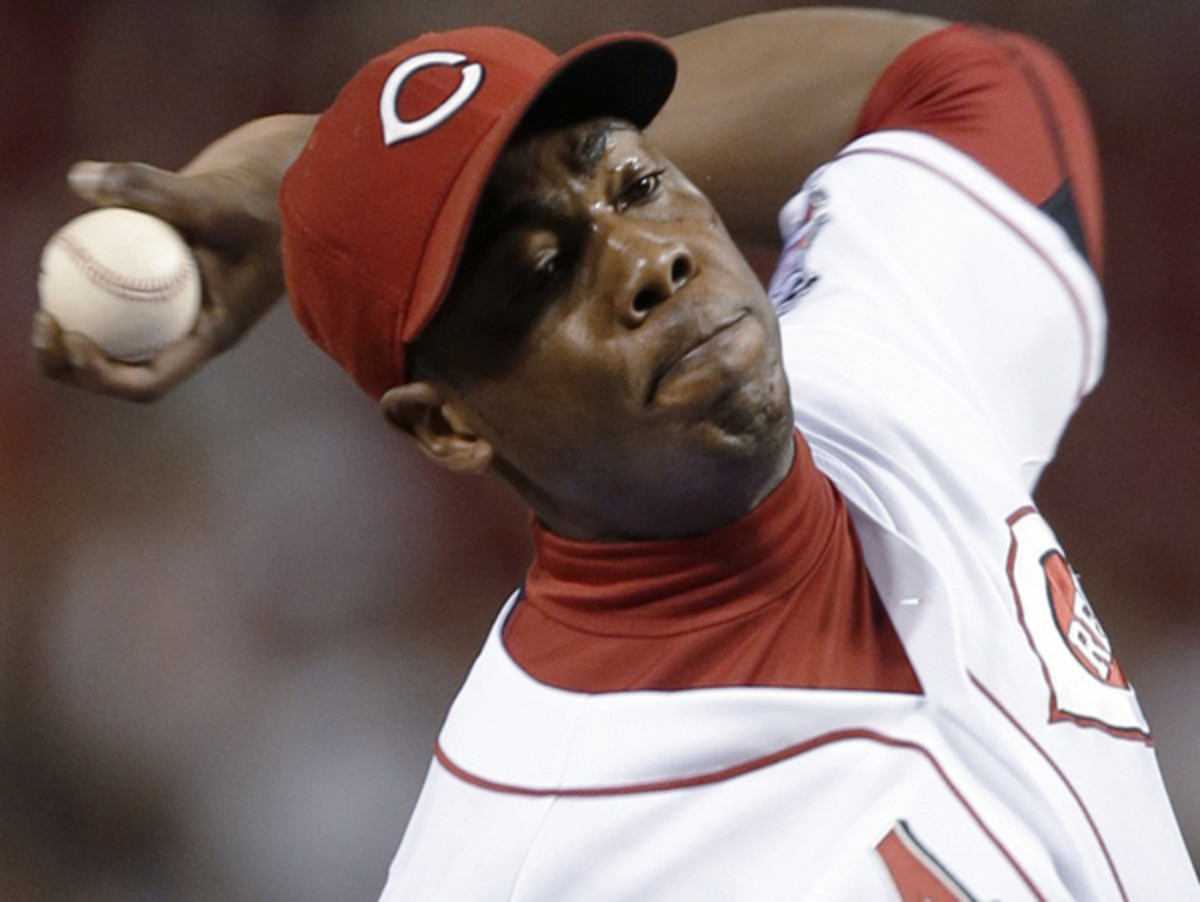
<point>231,622</point>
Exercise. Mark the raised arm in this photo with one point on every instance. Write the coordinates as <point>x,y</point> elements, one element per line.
<point>764,99</point>
<point>760,101</point>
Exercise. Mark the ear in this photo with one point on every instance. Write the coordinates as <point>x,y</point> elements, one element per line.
<point>436,422</point>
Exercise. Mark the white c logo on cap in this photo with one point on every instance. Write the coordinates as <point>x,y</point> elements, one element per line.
<point>396,129</point>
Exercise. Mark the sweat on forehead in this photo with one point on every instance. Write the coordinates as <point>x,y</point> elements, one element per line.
<point>581,155</point>
<point>584,152</point>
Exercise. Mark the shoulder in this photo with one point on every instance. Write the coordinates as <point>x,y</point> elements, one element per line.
<point>1009,102</point>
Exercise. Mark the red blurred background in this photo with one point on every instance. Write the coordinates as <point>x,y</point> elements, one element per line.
<point>230,622</point>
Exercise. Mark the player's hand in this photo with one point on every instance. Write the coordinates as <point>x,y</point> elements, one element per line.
<point>224,203</point>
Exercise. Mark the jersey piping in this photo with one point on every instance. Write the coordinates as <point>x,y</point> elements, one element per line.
<point>738,770</point>
<point>1066,782</point>
<point>1086,330</point>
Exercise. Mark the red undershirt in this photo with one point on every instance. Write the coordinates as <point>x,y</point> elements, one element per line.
<point>782,597</point>
<point>778,598</point>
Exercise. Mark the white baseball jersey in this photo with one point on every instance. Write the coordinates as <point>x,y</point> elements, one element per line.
<point>939,330</point>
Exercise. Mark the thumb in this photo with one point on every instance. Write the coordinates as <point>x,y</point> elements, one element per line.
<point>139,186</point>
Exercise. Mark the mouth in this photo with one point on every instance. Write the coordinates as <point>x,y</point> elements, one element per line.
<point>688,353</point>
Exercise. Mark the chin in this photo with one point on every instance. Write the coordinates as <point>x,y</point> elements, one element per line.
<point>754,420</point>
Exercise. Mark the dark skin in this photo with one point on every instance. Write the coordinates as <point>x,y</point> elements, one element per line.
<point>606,349</point>
<point>760,101</point>
<point>750,115</point>
<point>224,203</point>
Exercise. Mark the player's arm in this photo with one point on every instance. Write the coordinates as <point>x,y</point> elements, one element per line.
<point>762,100</point>
<point>224,203</point>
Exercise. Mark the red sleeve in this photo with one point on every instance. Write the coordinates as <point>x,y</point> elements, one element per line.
<point>1010,103</point>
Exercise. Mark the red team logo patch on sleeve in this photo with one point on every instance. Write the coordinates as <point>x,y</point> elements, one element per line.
<point>1086,684</point>
<point>1077,623</point>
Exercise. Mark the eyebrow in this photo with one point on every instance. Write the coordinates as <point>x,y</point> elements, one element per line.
<point>589,151</point>
<point>585,157</point>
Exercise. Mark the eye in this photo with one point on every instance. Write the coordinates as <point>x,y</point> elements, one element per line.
<point>538,264</point>
<point>538,268</point>
<point>542,266</point>
<point>642,188</point>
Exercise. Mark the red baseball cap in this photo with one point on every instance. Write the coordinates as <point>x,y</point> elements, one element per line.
<point>377,207</point>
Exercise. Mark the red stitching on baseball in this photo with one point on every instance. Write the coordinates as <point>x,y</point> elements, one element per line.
<point>131,289</point>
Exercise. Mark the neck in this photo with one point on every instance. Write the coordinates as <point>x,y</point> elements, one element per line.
<point>756,557</point>
<point>780,597</point>
<point>692,501</point>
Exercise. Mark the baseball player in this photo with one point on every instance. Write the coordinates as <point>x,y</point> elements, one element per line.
<point>795,628</point>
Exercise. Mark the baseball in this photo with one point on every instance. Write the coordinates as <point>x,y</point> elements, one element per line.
<point>125,279</point>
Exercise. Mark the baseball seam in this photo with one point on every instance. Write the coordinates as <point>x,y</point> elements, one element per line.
<point>159,289</point>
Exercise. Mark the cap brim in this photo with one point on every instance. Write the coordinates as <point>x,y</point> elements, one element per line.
<point>628,75</point>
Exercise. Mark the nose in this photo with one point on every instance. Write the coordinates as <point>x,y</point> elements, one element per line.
<point>655,269</point>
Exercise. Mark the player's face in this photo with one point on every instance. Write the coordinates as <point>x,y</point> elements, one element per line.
<point>612,344</point>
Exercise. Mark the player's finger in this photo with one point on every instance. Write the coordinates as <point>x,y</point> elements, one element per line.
<point>174,363</point>
<point>46,341</point>
<point>179,199</point>
<point>68,357</point>
<point>88,368</point>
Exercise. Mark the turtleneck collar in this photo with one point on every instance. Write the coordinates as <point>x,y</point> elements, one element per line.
<point>670,586</point>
